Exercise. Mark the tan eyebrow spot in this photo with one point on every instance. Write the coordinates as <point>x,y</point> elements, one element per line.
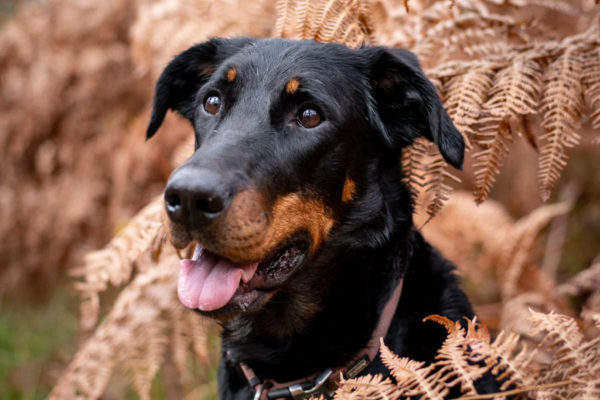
<point>292,86</point>
<point>231,74</point>
<point>348,190</point>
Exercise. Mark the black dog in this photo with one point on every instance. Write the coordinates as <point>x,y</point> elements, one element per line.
<point>295,198</point>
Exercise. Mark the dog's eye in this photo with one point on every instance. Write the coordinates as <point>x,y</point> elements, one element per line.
<point>212,104</point>
<point>309,117</point>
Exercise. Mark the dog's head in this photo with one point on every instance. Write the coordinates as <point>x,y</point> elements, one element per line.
<point>284,131</point>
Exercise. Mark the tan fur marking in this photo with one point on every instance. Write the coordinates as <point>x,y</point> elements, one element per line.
<point>292,86</point>
<point>348,190</point>
<point>294,212</point>
<point>231,74</point>
<point>249,233</point>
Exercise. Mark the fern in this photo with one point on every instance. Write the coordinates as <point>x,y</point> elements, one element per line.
<point>113,264</point>
<point>562,107</point>
<point>490,99</point>
<point>467,355</point>
<point>413,377</point>
<point>344,21</point>
<point>367,387</point>
<point>134,336</point>
<point>493,137</point>
<point>451,357</point>
<point>574,360</point>
<point>591,81</point>
<point>464,98</point>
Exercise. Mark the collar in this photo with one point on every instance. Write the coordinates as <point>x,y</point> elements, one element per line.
<point>326,382</point>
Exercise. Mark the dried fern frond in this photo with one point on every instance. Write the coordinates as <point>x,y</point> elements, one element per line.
<point>513,95</point>
<point>452,357</point>
<point>464,98</point>
<point>425,171</point>
<point>591,81</point>
<point>413,377</point>
<point>524,88</point>
<point>414,165</point>
<point>366,387</point>
<point>562,106</point>
<point>521,241</point>
<point>134,336</point>
<point>573,358</point>
<point>515,90</point>
<point>343,21</point>
<point>493,137</point>
<point>114,263</point>
<point>437,178</point>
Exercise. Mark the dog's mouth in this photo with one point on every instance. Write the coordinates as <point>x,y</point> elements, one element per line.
<point>211,283</point>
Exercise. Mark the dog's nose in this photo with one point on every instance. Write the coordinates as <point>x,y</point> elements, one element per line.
<point>194,197</point>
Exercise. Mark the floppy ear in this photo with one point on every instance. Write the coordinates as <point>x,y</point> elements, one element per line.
<point>408,105</point>
<point>180,81</point>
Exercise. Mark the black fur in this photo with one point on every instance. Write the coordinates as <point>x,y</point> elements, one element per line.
<point>374,102</point>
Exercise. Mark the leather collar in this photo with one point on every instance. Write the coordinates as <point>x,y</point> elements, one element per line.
<point>326,382</point>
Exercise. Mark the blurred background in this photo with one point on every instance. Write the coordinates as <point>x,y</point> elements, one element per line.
<point>76,80</point>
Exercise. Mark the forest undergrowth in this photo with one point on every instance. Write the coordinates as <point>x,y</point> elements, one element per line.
<point>520,79</point>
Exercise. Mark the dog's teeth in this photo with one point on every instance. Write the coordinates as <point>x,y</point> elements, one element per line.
<point>197,252</point>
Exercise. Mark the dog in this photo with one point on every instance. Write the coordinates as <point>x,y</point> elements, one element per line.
<point>306,252</point>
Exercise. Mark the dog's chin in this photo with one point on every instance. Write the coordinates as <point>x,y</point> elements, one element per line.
<point>258,283</point>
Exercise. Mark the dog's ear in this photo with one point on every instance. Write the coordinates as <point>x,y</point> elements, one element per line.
<point>184,75</point>
<point>408,105</point>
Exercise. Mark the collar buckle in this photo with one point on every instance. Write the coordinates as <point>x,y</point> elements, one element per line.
<point>258,391</point>
<point>318,388</point>
<point>304,390</point>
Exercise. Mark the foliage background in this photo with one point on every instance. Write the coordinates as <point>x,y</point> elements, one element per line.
<point>76,80</point>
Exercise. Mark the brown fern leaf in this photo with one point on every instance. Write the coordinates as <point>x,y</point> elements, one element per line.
<point>562,107</point>
<point>426,171</point>
<point>284,10</point>
<point>563,336</point>
<point>464,97</point>
<point>319,12</point>
<point>344,21</point>
<point>141,359</point>
<point>573,358</point>
<point>144,322</point>
<point>452,357</point>
<point>591,81</point>
<point>501,356</point>
<point>343,17</point>
<point>514,94</point>
<point>436,181</point>
<point>114,263</point>
<point>493,136</point>
<point>366,387</point>
<point>516,90</point>
<point>187,329</point>
<point>414,166</point>
<point>132,335</point>
<point>521,241</point>
<point>413,378</point>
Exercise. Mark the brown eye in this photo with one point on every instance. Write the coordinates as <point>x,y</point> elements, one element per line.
<point>212,104</point>
<point>309,117</point>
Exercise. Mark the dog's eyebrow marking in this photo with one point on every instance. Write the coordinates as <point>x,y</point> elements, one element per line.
<point>292,86</point>
<point>231,74</point>
<point>348,190</point>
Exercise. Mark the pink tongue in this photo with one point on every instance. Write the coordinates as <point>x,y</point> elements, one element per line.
<point>208,281</point>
